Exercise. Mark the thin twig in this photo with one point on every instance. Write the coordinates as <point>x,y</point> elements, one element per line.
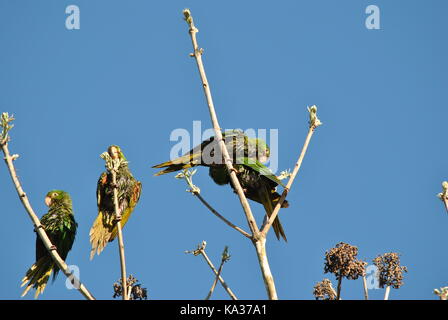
<point>366,291</point>
<point>218,134</point>
<point>36,222</point>
<point>187,175</point>
<point>216,213</point>
<point>314,123</point>
<point>386,293</point>
<point>215,281</point>
<point>223,283</point>
<point>260,247</point>
<point>129,292</point>
<point>120,240</point>
<point>113,170</point>
<point>338,296</point>
<point>201,251</point>
<point>224,259</point>
<point>334,291</point>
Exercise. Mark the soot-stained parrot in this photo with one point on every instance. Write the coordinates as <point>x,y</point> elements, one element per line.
<point>248,155</point>
<point>104,227</point>
<point>60,226</point>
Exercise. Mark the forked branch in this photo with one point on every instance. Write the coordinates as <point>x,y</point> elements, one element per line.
<point>187,175</point>
<point>201,251</point>
<point>224,258</point>
<point>197,54</point>
<point>257,240</point>
<point>313,124</point>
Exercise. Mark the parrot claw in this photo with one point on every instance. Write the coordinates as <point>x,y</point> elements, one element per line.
<point>40,226</point>
<point>234,170</point>
<point>244,190</point>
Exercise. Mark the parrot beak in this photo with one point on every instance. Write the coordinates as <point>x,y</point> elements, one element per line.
<point>263,158</point>
<point>48,201</point>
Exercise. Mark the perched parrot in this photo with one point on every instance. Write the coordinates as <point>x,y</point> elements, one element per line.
<point>104,227</point>
<point>248,154</point>
<point>60,226</point>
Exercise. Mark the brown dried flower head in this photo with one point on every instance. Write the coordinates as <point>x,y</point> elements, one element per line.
<point>324,290</point>
<point>137,292</point>
<point>341,261</point>
<point>390,273</point>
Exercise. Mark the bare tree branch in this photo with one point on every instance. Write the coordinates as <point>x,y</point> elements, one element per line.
<point>338,295</point>
<point>201,251</point>
<point>218,134</point>
<point>258,240</point>
<point>366,291</point>
<point>224,258</point>
<point>386,293</point>
<point>187,175</point>
<point>112,165</point>
<point>314,123</point>
<point>6,126</point>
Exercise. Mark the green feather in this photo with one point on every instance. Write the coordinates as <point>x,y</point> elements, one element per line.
<point>60,226</point>
<point>260,168</point>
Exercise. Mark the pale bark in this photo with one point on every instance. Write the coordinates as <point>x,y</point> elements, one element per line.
<point>257,240</point>
<point>314,122</point>
<point>38,227</point>
<point>386,293</point>
<point>366,291</point>
<point>120,238</point>
<point>269,283</point>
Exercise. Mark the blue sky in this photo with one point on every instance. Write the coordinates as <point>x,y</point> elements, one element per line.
<point>370,176</point>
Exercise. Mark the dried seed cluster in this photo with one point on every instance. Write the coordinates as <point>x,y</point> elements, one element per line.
<point>137,292</point>
<point>390,273</point>
<point>324,290</point>
<point>342,262</point>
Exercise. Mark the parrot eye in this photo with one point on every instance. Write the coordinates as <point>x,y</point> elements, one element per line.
<point>54,194</point>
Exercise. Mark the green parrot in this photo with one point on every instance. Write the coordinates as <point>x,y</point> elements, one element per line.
<point>60,226</point>
<point>248,154</point>
<point>104,228</point>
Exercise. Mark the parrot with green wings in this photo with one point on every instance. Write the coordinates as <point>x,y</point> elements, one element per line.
<point>104,228</point>
<point>60,226</point>
<point>248,155</point>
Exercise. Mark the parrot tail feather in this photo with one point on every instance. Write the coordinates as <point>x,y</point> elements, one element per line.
<point>100,233</point>
<point>126,210</point>
<point>278,229</point>
<point>276,198</point>
<point>184,162</point>
<point>124,218</point>
<point>269,201</point>
<point>37,276</point>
